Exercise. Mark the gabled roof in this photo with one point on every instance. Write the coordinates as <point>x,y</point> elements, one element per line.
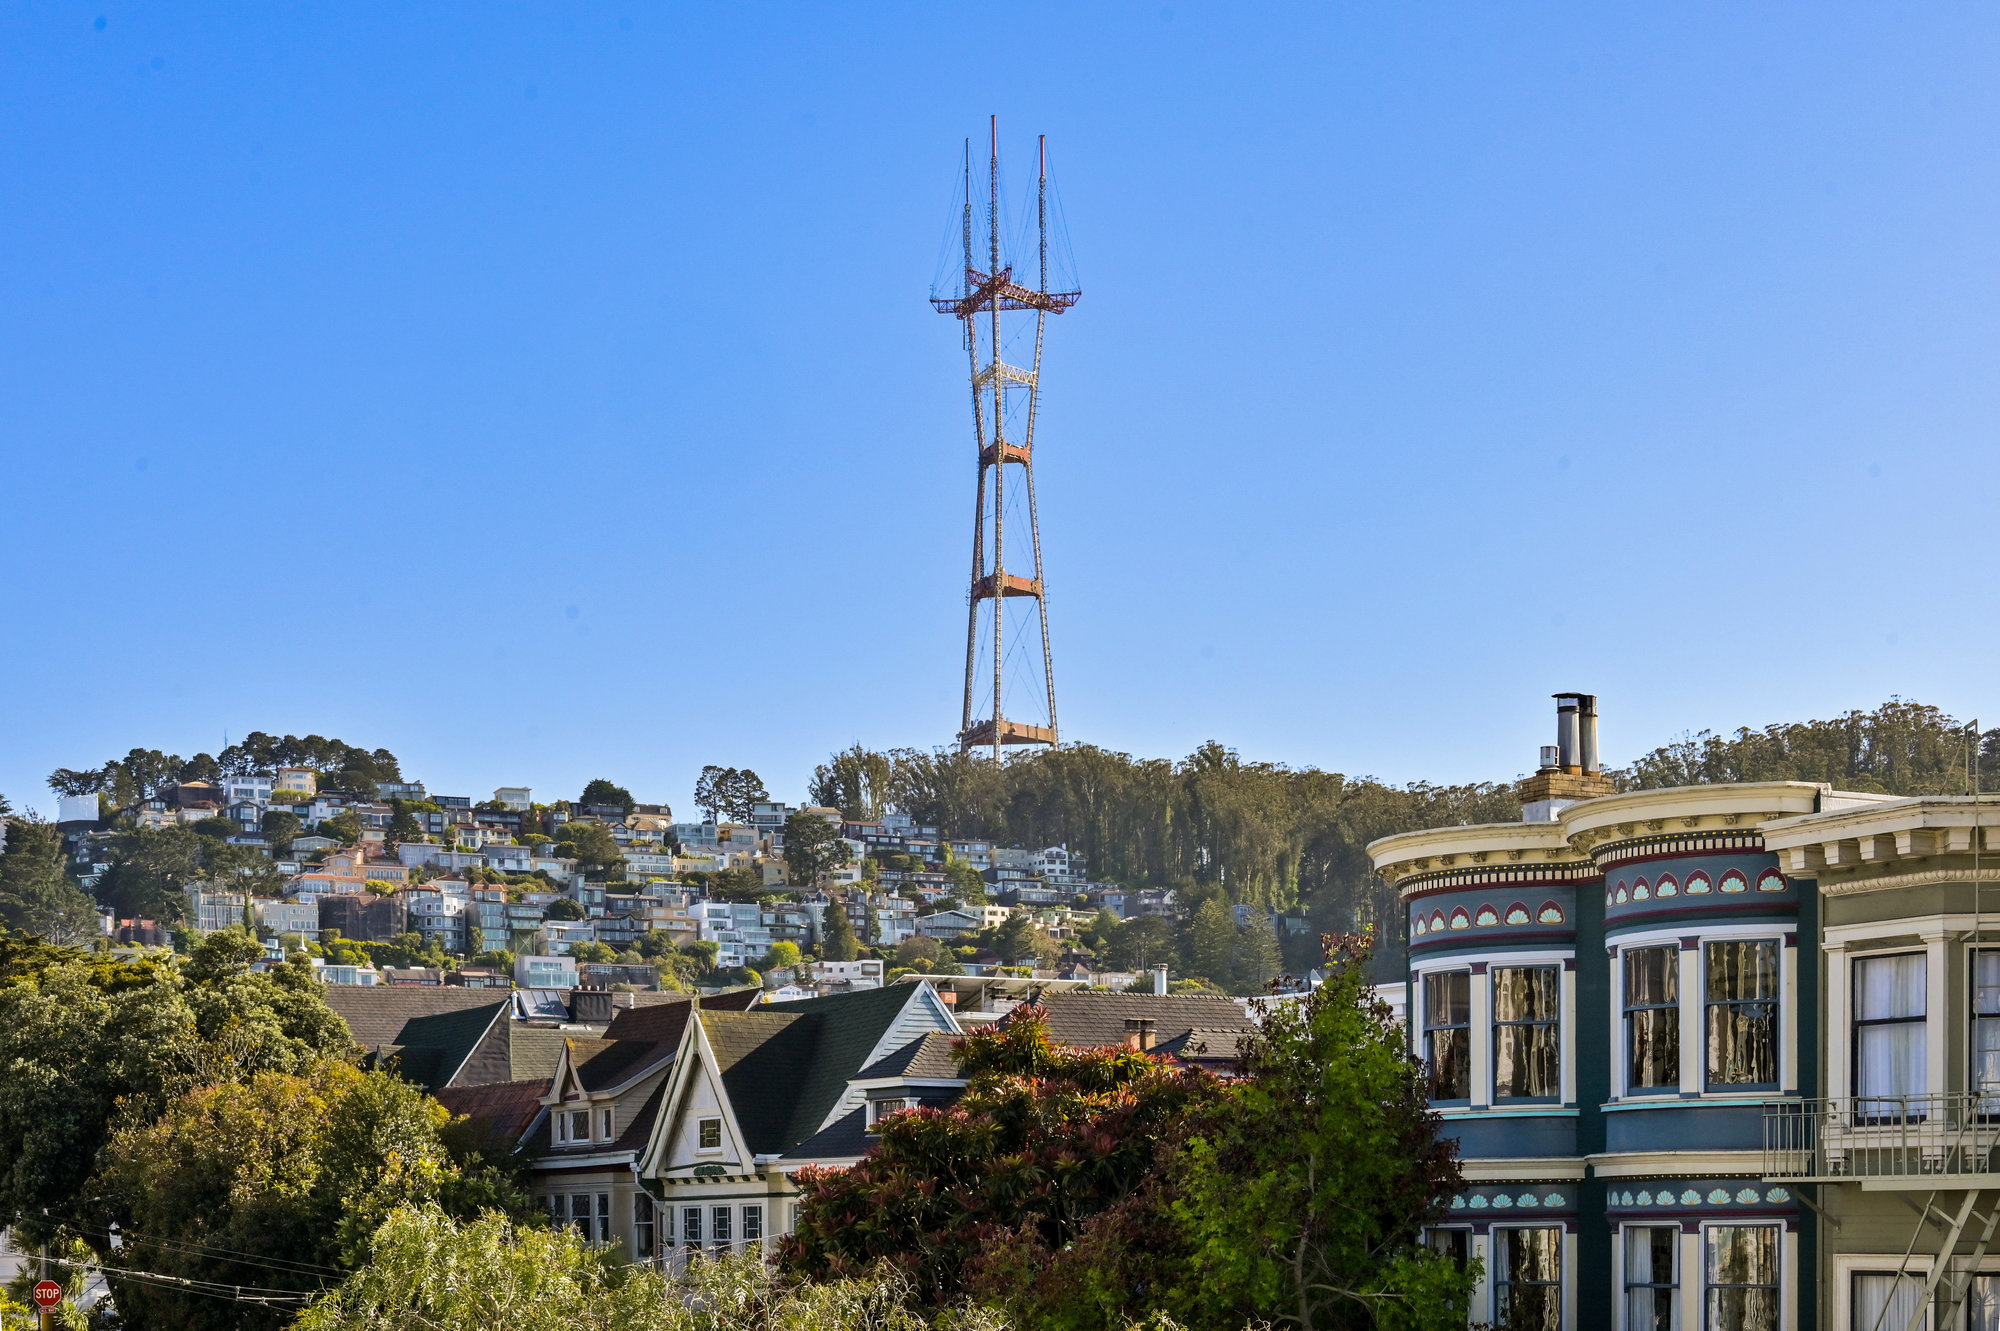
<point>503,1112</point>
<point>534,1051</point>
<point>846,1138</point>
<point>600,1064</point>
<point>426,1041</point>
<point>1086,1020</point>
<point>929,1057</point>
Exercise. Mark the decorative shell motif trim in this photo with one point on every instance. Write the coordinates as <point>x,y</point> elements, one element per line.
<point>1666,887</point>
<point>1518,913</point>
<point>1698,884</point>
<point>1747,1196</point>
<point>1420,928</point>
<point>1734,881</point>
<point>1459,919</point>
<point>1550,913</point>
<point>1619,897</point>
<point>1487,916</point>
<point>1718,1196</point>
<point>1689,1198</point>
<point>1770,881</point>
<point>1641,891</point>
<point>1553,1199</point>
<point>1777,1195</point>
<point>1437,921</point>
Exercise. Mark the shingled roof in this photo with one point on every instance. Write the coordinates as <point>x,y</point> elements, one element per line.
<point>427,1035</point>
<point>502,1112</point>
<point>929,1057</point>
<point>786,1065</point>
<point>376,1014</point>
<point>1086,1020</point>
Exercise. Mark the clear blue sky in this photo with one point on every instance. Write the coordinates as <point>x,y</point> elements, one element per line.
<point>547,392</point>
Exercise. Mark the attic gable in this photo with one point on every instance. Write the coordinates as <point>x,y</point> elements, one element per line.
<point>696,1092</point>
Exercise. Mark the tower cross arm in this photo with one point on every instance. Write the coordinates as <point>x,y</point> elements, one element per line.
<point>1001,291</point>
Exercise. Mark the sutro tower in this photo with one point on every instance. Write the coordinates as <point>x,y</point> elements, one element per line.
<point>1004,395</point>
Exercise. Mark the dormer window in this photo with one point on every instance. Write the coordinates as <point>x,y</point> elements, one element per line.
<point>881,1109</point>
<point>604,1124</point>
<point>579,1125</point>
<point>708,1134</point>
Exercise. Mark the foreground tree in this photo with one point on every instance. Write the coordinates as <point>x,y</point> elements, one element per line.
<point>36,896</point>
<point>1044,1140</point>
<point>813,848</point>
<point>277,1183</point>
<point>428,1272</point>
<point>1303,1191</point>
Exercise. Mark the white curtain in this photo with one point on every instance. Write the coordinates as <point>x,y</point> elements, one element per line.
<point>1884,1301</point>
<point>1890,1058</point>
<point>1649,1260</point>
<point>1982,1304</point>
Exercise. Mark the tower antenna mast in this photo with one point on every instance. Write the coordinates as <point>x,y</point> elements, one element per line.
<point>992,291</point>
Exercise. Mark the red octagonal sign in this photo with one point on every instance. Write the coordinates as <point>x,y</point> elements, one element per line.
<point>48,1294</point>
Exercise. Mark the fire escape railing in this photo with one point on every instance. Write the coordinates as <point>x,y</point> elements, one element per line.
<point>1928,1140</point>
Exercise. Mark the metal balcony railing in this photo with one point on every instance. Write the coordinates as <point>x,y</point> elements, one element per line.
<point>1926,1140</point>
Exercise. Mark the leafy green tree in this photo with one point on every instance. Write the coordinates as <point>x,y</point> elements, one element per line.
<point>65,781</point>
<point>1258,959</point>
<point>281,827</point>
<point>593,848</point>
<point>813,848</point>
<point>36,896</point>
<point>150,871</point>
<point>837,941</point>
<point>919,953</point>
<point>1016,939</point>
<point>403,825</point>
<point>966,880</point>
<point>595,953</point>
<point>91,1045</point>
<point>344,827</point>
<point>1142,942</point>
<point>429,1271</point>
<point>1044,1142</point>
<point>217,828</point>
<point>784,954</point>
<point>293,1168</point>
<point>601,791</point>
<point>566,908</point>
<point>854,781</point>
<point>1212,943</point>
<point>1304,1190</point>
<point>728,791</point>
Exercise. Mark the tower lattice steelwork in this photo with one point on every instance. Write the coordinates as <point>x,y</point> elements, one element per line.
<point>1004,394</point>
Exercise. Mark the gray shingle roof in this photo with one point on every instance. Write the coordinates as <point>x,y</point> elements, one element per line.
<point>846,1138</point>
<point>1086,1020</point>
<point>928,1057</point>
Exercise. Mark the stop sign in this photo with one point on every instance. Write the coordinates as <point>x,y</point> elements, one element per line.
<point>48,1294</point>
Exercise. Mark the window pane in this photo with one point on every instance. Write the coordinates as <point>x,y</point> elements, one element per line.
<point>1451,1064</point>
<point>1890,1059</point>
<point>721,1219</point>
<point>1882,1299</point>
<point>1653,1039</point>
<point>1986,984</point>
<point>1530,1279</point>
<point>1448,999</point>
<point>1453,1243</point>
<point>1986,1055</point>
<point>691,1226</point>
<point>1649,1278</point>
<point>1742,970</point>
<point>1524,1062</point>
<point>1524,993</point>
<point>1982,1304</point>
<point>1743,1255</point>
<point>1652,976</point>
<point>1886,987</point>
<point>1743,1310</point>
<point>753,1223</point>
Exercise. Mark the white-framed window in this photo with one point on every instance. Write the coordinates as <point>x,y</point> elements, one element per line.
<point>642,1226</point>
<point>1741,996</point>
<point>1527,1278</point>
<point>753,1222</point>
<point>1982,1304</point>
<point>719,1218</point>
<point>1450,1241</point>
<point>1740,1277</point>
<point>691,1227</point>
<point>604,1217</point>
<point>1986,1025</point>
<point>1527,1057</point>
<point>604,1120</point>
<point>1448,1034</point>
<point>1886,1299</point>
<point>1652,1284</point>
<point>1890,1063</point>
<point>708,1134</point>
<point>579,1214</point>
<point>561,1122</point>
<point>579,1125</point>
<point>1653,1019</point>
<point>881,1109</point>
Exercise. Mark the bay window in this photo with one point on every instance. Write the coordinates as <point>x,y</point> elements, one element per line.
<point>1525,1051</point>
<point>1742,1269</point>
<point>1448,1034</point>
<point>1650,1287</point>
<point>1527,1264</point>
<point>1889,1044</point>
<point>1653,1018</point>
<point>1743,1012</point>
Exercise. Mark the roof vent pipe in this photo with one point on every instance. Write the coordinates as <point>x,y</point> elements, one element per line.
<point>1569,740</point>
<point>1586,716</point>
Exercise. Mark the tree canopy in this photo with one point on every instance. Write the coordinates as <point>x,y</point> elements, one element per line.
<point>601,791</point>
<point>731,791</point>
